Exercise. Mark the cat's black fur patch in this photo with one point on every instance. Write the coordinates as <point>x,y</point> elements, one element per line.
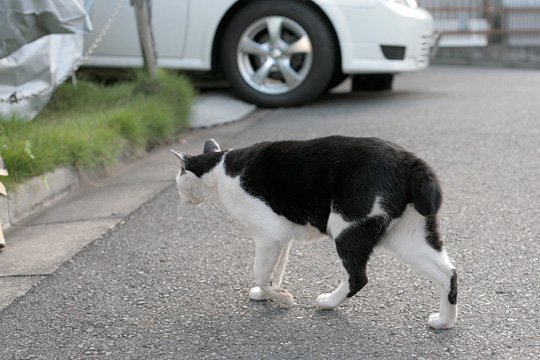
<point>201,164</point>
<point>452,295</point>
<point>355,245</point>
<point>432,233</point>
<point>425,189</point>
<point>305,180</point>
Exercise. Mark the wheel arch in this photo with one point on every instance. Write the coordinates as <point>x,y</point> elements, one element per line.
<point>231,12</point>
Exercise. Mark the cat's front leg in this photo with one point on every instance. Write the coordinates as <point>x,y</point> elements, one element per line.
<point>267,256</point>
<point>256,293</point>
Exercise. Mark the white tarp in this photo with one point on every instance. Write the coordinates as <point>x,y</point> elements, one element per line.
<point>30,66</point>
<point>23,21</point>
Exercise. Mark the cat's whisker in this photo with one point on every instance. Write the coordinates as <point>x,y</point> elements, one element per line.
<point>201,211</point>
<point>182,214</point>
<point>217,210</point>
<point>173,168</point>
<point>185,219</point>
<point>214,210</point>
<point>181,210</point>
<point>203,208</point>
<point>223,215</point>
<point>193,226</point>
<point>178,210</point>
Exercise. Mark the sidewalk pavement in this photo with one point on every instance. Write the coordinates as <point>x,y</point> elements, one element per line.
<point>61,228</point>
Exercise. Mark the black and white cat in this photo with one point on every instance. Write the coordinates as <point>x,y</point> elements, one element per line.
<point>361,192</point>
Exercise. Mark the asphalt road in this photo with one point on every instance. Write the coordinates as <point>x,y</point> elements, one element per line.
<point>172,283</point>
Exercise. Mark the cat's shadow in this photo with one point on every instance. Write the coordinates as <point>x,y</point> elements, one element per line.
<point>269,309</point>
<point>272,310</point>
<point>329,314</point>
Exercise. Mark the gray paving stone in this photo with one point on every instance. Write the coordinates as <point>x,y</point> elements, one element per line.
<point>40,192</point>
<point>38,250</point>
<point>99,202</point>
<point>218,109</point>
<point>13,287</point>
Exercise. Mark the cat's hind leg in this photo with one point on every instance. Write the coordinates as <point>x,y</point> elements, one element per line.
<point>267,256</point>
<point>340,294</point>
<point>354,246</point>
<point>415,240</point>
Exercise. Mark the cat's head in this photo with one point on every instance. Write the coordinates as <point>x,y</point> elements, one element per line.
<point>193,186</point>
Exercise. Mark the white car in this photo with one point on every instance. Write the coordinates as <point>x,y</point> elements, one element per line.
<point>276,52</point>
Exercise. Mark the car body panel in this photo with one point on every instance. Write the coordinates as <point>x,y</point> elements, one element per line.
<point>120,45</point>
<point>360,41</point>
<point>185,31</point>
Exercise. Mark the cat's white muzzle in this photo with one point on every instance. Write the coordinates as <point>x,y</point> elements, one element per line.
<point>191,201</point>
<point>186,188</point>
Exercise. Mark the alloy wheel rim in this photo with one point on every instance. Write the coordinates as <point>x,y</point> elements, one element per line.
<point>274,55</point>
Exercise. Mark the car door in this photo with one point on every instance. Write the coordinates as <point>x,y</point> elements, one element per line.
<point>120,45</point>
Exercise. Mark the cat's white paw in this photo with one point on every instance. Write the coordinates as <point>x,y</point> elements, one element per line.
<point>327,301</point>
<point>256,293</point>
<point>283,296</point>
<point>437,323</point>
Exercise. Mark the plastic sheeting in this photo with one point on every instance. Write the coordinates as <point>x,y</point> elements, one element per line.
<point>23,21</point>
<point>32,67</point>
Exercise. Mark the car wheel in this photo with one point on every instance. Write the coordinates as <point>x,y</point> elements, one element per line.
<point>337,79</point>
<point>277,53</point>
<point>372,82</point>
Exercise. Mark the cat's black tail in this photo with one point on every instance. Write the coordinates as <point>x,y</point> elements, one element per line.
<point>425,189</point>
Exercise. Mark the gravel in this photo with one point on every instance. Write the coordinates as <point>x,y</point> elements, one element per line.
<point>172,283</point>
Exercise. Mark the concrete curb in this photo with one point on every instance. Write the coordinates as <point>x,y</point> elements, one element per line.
<point>36,194</point>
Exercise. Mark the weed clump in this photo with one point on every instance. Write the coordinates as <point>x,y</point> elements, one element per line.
<point>90,126</point>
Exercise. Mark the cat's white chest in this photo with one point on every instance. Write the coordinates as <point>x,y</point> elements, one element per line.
<point>258,218</point>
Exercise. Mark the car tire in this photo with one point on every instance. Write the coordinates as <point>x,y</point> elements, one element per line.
<point>337,79</point>
<point>278,53</point>
<point>372,82</point>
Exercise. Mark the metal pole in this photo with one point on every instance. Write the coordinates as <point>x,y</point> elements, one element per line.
<point>146,37</point>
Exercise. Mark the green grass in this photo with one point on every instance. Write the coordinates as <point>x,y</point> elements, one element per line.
<point>90,126</point>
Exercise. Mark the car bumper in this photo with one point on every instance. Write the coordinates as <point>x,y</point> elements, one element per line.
<point>384,24</point>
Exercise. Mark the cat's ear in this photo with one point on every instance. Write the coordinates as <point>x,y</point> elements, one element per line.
<point>182,156</point>
<point>211,145</point>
